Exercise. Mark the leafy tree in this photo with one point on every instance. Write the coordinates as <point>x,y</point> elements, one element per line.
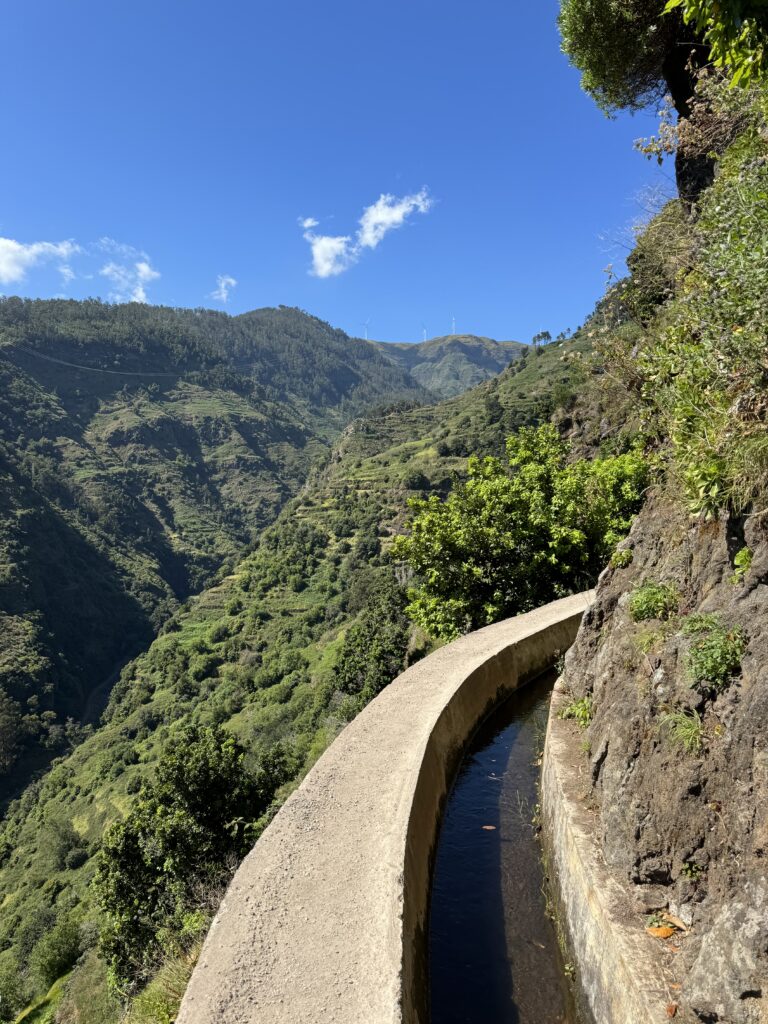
<point>56,952</point>
<point>12,995</point>
<point>509,539</point>
<point>628,51</point>
<point>201,809</point>
<point>374,647</point>
<point>736,32</point>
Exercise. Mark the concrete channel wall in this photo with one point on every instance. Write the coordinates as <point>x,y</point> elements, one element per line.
<point>620,976</point>
<point>325,921</point>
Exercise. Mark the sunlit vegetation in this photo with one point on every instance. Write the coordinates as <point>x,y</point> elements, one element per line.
<point>515,536</point>
<point>695,357</point>
<point>142,449</point>
<point>279,654</point>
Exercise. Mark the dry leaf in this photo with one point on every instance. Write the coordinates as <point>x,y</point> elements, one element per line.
<point>671,1009</point>
<point>673,920</point>
<point>662,932</point>
<point>489,828</point>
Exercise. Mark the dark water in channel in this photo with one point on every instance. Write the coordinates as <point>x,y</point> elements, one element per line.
<point>493,955</point>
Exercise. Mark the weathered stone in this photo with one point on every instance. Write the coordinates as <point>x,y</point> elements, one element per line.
<point>727,979</point>
<point>692,820</point>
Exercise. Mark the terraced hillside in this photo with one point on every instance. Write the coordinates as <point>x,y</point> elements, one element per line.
<point>141,450</point>
<point>271,652</point>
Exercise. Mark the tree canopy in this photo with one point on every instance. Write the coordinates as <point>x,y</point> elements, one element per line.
<point>512,538</point>
<point>736,32</point>
<point>623,49</point>
<point>630,52</point>
<point>202,807</point>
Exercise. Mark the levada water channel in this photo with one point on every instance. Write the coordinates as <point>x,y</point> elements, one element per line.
<point>493,951</point>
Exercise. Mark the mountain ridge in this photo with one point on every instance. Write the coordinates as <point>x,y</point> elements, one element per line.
<point>452,363</point>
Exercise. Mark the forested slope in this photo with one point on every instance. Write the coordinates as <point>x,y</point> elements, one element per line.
<point>282,651</point>
<point>141,449</point>
<point>447,366</point>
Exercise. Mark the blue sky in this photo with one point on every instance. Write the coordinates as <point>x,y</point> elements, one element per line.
<point>166,149</point>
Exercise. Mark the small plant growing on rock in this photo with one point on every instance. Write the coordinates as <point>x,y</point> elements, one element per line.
<point>685,728</point>
<point>653,601</point>
<point>715,653</point>
<point>742,563</point>
<point>621,559</point>
<point>580,711</point>
<point>699,622</point>
<point>691,871</point>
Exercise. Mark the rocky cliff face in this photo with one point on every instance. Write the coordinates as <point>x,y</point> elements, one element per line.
<point>670,670</point>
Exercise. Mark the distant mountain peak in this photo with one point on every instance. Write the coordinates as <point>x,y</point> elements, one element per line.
<point>448,365</point>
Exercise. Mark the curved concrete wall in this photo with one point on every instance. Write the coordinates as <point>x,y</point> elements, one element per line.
<point>621,975</point>
<point>325,920</point>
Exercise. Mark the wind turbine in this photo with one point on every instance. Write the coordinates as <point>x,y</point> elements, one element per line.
<point>365,327</point>
<point>453,325</point>
<point>424,331</point>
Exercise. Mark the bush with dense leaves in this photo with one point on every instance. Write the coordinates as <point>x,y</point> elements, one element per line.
<point>201,811</point>
<point>56,952</point>
<point>374,647</point>
<point>511,538</point>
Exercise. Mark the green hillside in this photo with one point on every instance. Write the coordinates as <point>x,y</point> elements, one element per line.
<point>142,449</point>
<point>450,365</point>
<point>270,651</point>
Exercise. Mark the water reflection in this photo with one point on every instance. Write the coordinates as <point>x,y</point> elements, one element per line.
<point>493,954</point>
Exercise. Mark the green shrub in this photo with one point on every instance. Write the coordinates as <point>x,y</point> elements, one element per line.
<point>75,858</point>
<point>736,32</point>
<point>699,622</point>
<point>621,559</point>
<point>580,711</point>
<point>715,657</point>
<point>512,538</point>
<point>201,809</point>
<point>374,647</point>
<point>55,953</point>
<point>742,563</point>
<point>653,601</point>
<point>685,728</point>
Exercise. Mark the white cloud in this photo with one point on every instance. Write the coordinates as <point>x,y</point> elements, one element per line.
<point>115,248</point>
<point>67,273</point>
<point>129,280</point>
<point>16,258</point>
<point>389,212</point>
<point>333,254</point>
<point>224,285</point>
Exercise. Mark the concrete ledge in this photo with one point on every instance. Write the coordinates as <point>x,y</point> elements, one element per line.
<point>621,977</point>
<point>325,920</point>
